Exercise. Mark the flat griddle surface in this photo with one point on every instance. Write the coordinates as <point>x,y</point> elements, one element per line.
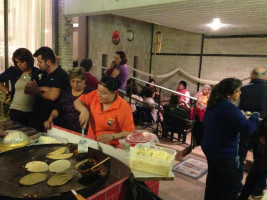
<point>12,170</point>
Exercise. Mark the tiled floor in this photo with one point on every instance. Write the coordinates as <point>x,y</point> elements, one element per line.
<point>184,187</point>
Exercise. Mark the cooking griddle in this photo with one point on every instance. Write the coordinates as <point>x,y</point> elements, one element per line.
<point>12,170</point>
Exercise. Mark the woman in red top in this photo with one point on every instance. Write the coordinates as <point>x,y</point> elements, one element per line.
<point>182,89</point>
<point>110,117</point>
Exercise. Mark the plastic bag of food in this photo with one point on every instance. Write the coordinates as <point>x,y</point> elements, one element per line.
<point>14,137</point>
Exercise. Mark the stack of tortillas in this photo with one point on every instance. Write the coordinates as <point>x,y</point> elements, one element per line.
<point>59,179</point>
<point>59,154</point>
<point>33,178</point>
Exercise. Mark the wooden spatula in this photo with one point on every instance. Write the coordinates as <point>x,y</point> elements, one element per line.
<point>78,196</point>
<point>100,163</point>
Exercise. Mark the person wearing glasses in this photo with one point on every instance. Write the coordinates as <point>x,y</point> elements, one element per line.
<point>110,117</point>
<point>64,114</point>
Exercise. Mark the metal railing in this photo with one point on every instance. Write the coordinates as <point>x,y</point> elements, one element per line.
<point>160,104</point>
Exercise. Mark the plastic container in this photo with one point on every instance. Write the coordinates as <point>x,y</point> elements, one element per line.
<point>14,139</point>
<point>156,160</point>
<point>136,138</point>
<point>84,167</point>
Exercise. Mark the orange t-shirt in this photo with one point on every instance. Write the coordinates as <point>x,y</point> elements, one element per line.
<point>118,117</point>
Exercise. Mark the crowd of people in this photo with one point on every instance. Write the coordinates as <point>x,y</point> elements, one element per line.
<point>47,94</point>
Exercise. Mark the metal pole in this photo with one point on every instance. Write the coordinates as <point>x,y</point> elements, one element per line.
<point>192,145</point>
<point>200,59</point>
<point>158,112</point>
<point>87,37</point>
<point>6,32</point>
<point>151,50</point>
<point>6,37</point>
<point>42,23</point>
<point>56,6</point>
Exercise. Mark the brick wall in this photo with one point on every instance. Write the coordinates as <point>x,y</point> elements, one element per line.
<point>64,33</point>
<point>100,40</point>
<point>118,190</point>
<point>221,64</point>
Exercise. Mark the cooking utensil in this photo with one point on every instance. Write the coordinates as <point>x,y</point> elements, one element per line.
<point>99,147</point>
<point>100,163</point>
<point>33,142</point>
<point>78,196</point>
<point>84,167</point>
<point>83,144</point>
<point>89,167</point>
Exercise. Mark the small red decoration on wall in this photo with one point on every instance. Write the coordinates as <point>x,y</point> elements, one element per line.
<point>116,37</point>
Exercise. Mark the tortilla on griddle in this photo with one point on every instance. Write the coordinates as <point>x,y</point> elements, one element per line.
<point>36,166</point>
<point>58,151</point>
<point>33,178</point>
<point>59,179</point>
<point>59,166</point>
<point>59,156</point>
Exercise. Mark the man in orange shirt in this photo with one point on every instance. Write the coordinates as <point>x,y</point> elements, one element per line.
<point>110,116</point>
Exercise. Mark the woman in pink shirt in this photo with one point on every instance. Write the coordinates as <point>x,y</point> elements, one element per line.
<point>182,89</point>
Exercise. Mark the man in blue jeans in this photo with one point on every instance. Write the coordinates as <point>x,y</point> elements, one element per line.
<point>254,99</point>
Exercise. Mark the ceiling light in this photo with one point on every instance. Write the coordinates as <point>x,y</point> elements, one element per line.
<point>216,24</point>
<point>75,25</point>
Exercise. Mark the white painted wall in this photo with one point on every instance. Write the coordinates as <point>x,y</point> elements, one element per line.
<point>94,7</point>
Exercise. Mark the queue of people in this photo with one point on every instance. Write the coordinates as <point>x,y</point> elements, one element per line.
<point>48,94</point>
<point>228,133</point>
